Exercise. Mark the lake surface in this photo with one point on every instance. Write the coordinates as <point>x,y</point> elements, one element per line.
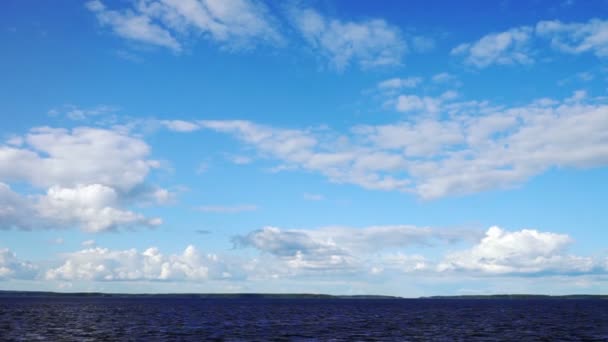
<point>256,319</point>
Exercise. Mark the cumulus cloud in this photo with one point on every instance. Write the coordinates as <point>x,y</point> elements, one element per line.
<point>387,250</point>
<point>15,211</point>
<point>93,208</point>
<point>370,43</point>
<point>57,156</point>
<point>526,251</point>
<point>89,175</point>
<point>169,23</point>
<point>102,264</point>
<point>509,47</point>
<point>12,267</point>
<point>328,251</point>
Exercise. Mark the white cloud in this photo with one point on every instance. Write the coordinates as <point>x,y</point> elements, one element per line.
<point>302,149</point>
<point>415,103</point>
<point>525,251</point>
<point>517,45</point>
<point>423,138</point>
<point>443,77</point>
<point>102,264</point>
<point>12,267</point>
<point>370,43</point>
<point>222,209</point>
<point>456,148</point>
<point>507,147</point>
<point>14,140</point>
<point>163,196</point>
<point>576,38</point>
<point>180,125</point>
<point>89,175</point>
<point>56,156</point>
<point>398,83</point>
<point>383,249</point>
<point>134,26</point>
<point>342,248</point>
<point>402,263</point>
<point>329,251</point>
<point>15,211</point>
<point>408,103</point>
<point>89,243</point>
<point>93,208</point>
<point>297,250</point>
<point>168,23</point>
<point>509,47</point>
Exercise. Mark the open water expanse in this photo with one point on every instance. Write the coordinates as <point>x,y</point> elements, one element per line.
<point>258,319</point>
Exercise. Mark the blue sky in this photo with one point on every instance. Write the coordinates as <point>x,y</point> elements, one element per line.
<point>409,149</point>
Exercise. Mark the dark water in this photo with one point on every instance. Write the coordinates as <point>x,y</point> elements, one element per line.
<point>183,319</point>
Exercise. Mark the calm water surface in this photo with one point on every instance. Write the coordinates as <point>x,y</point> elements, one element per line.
<point>185,319</point>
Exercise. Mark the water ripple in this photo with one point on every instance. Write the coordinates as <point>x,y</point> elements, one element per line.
<point>190,319</point>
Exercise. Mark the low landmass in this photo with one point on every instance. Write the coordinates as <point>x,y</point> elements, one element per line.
<point>521,296</point>
<point>15,294</point>
<point>190,295</point>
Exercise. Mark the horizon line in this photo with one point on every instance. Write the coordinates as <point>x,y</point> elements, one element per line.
<point>301,294</point>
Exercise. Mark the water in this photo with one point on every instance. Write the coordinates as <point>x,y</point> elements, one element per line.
<point>188,319</point>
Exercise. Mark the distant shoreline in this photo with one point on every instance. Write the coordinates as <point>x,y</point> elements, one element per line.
<point>18,294</point>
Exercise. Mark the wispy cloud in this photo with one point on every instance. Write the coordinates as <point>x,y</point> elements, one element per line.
<point>575,38</point>
<point>472,146</point>
<point>180,125</point>
<point>399,83</point>
<point>233,24</point>
<point>509,47</point>
<point>369,43</point>
<point>134,25</point>
<point>520,45</point>
<point>77,113</point>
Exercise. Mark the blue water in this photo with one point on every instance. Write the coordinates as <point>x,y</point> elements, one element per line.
<point>185,319</point>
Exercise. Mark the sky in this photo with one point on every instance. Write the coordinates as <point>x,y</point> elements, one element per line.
<point>371,147</point>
